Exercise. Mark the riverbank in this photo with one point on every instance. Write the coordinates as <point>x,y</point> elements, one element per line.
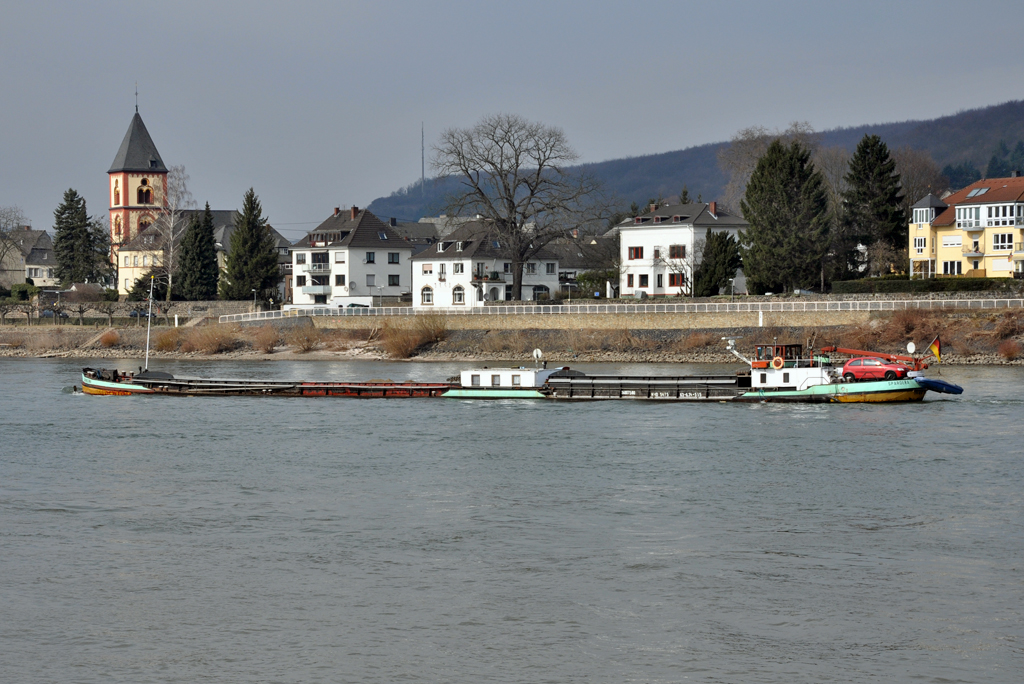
<point>967,339</point>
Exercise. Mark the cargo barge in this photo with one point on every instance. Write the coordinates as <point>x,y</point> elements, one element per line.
<point>776,373</point>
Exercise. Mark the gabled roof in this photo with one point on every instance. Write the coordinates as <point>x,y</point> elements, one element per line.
<point>29,240</point>
<point>930,201</point>
<point>697,214</point>
<point>478,241</point>
<point>989,191</point>
<point>150,239</point>
<point>137,151</point>
<point>365,230</point>
<point>585,253</point>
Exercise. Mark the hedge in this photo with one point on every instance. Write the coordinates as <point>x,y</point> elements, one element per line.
<point>887,285</point>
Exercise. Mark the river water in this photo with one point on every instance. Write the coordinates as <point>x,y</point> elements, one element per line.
<point>156,539</point>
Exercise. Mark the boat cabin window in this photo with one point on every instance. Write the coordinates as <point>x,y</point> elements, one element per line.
<point>789,352</point>
<point>785,378</point>
<point>475,380</point>
<point>764,378</point>
<point>516,381</point>
<point>495,381</point>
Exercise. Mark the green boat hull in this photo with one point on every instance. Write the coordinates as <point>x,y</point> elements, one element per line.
<point>878,391</point>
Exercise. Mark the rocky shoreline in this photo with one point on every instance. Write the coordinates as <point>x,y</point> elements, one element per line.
<point>371,353</point>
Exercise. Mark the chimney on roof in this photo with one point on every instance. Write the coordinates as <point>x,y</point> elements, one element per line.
<point>1015,173</point>
<point>355,212</point>
<point>337,210</point>
<point>393,222</point>
<point>713,208</point>
<point>654,207</point>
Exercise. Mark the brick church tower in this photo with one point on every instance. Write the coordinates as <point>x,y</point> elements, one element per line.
<point>138,185</point>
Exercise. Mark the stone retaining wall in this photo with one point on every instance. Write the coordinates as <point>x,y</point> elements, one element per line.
<point>614,321</point>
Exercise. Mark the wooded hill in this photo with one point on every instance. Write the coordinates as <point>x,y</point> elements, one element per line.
<point>969,137</point>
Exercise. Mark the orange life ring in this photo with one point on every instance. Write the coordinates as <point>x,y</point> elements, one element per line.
<point>778,363</point>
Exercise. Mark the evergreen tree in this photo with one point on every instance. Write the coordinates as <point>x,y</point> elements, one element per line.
<point>684,196</point>
<point>1017,157</point>
<point>962,175</point>
<point>787,208</point>
<point>140,288</point>
<point>998,167</point>
<point>718,264</point>
<point>197,275</point>
<point>81,246</point>
<point>873,202</point>
<point>251,262</point>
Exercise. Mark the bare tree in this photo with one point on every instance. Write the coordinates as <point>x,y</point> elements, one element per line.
<point>919,175</point>
<point>171,224</point>
<point>749,145</point>
<point>8,306</point>
<point>108,309</point>
<point>11,220</point>
<point>684,266</point>
<point>514,174</point>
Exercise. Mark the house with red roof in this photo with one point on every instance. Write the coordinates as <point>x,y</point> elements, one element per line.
<point>972,232</point>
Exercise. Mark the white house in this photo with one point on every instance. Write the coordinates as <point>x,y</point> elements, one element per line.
<point>470,266</point>
<point>659,249</point>
<point>351,254</point>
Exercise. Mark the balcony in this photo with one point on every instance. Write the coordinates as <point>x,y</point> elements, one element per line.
<point>316,289</point>
<point>316,268</point>
<point>492,277</point>
<point>1018,247</point>
<point>973,250</point>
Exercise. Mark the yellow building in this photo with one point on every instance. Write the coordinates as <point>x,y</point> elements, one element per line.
<point>973,232</point>
<point>137,257</point>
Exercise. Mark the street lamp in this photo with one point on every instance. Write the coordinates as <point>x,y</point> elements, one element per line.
<point>732,289</point>
<point>254,301</point>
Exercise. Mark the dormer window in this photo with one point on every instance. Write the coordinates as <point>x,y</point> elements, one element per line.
<point>154,163</point>
<point>440,246</point>
<point>381,235</point>
<point>458,246</point>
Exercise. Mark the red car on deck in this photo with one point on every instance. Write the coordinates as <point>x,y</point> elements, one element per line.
<point>872,368</point>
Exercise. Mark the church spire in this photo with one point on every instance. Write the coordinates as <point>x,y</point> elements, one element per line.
<point>137,151</point>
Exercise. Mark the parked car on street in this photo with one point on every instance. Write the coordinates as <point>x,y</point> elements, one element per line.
<point>48,313</point>
<point>871,368</point>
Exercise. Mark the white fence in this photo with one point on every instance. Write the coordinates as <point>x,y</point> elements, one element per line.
<point>696,307</point>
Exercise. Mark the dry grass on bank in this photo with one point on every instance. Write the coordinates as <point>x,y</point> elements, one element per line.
<point>109,339</point>
<point>402,338</point>
<point>1009,349</point>
<point>304,339</point>
<point>266,338</point>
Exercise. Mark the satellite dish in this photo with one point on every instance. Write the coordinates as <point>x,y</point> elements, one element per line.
<point>537,354</point>
<point>911,347</point>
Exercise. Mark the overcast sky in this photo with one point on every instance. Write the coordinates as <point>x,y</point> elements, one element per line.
<point>319,104</point>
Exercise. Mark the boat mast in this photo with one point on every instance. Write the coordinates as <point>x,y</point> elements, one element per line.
<point>149,320</point>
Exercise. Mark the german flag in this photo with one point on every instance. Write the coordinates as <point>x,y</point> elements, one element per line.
<point>935,348</point>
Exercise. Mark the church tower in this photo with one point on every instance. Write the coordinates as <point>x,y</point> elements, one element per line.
<point>138,185</point>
